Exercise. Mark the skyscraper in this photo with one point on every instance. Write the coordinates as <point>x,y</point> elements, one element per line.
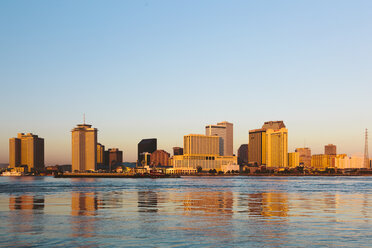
<point>84,148</point>
<point>243,154</point>
<point>26,150</point>
<point>257,146</point>
<point>277,148</point>
<point>224,130</point>
<point>330,149</point>
<point>146,145</point>
<point>100,154</point>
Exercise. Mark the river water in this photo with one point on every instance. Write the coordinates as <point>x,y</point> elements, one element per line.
<point>186,212</point>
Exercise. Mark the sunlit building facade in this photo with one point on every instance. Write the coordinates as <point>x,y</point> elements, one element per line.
<point>277,148</point>
<point>293,159</point>
<point>224,130</point>
<point>202,151</point>
<point>159,157</point>
<point>305,156</point>
<point>330,149</point>
<point>27,150</point>
<point>84,148</point>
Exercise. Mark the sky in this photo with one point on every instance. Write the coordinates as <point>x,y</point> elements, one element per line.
<point>164,69</point>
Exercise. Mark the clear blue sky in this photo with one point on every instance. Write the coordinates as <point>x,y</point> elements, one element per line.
<point>163,69</point>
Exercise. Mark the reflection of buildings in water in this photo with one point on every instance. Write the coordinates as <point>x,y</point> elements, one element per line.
<point>26,202</point>
<point>83,209</point>
<point>84,204</point>
<point>274,204</point>
<point>147,201</point>
<point>29,210</point>
<point>210,203</point>
<point>209,213</point>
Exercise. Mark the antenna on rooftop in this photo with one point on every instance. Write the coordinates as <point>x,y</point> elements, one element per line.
<point>84,118</point>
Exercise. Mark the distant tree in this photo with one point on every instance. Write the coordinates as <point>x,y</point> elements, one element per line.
<point>199,169</point>
<point>220,172</point>
<point>214,171</point>
<point>211,171</point>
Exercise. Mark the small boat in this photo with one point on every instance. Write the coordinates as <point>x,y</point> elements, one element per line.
<point>11,174</point>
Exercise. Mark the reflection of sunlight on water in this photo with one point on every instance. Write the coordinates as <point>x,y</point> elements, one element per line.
<point>202,214</point>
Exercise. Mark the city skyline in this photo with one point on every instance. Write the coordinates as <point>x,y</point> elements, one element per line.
<point>162,69</point>
<point>290,150</point>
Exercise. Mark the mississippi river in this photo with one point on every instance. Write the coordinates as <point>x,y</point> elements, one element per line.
<point>186,212</point>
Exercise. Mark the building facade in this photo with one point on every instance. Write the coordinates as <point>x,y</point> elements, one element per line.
<point>293,159</point>
<point>305,156</point>
<point>322,161</point>
<point>243,154</point>
<point>100,154</point>
<point>115,158</point>
<point>159,157</point>
<point>257,143</point>
<point>146,146</point>
<point>330,149</point>
<point>202,151</point>
<point>277,148</point>
<point>84,148</point>
<point>224,130</point>
<point>26,150</point>
<point>201,144</point>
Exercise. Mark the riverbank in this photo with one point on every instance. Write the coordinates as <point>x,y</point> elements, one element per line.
<point>112,175</point>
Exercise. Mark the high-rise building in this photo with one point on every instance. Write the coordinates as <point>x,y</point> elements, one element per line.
<point>177,151</point>
<point>257,145</point>
<point>26,150</point>
<point>100,154</point>
<point>84,148</point>
<point>201,144</point>
<point>115,157</point>
<point>277,148</point>
<point>330,149</point>
<point>159,157</point>
<point>243,154</point>
<point>225,131</point>
<point>305,156</point>
<point>146,145</point>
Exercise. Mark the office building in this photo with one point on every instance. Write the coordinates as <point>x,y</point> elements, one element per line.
<point>84,148</point>
<point>201,144</point>
<point>305,156</point>
<point>177,151</point>
<point>203,151</point>
<point>115,158</point>
<point>322,161</point>
<point>293,159</point>
<point>159,157</point>
<point>224,130</point>
<point>257,144</point>
<point>243,154</point>
<point>277,148</point>
<point>330,149</point>
<point>100,154</point>
<point>257,147</point>
<point>146,146</point>
<point>27,150</point>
